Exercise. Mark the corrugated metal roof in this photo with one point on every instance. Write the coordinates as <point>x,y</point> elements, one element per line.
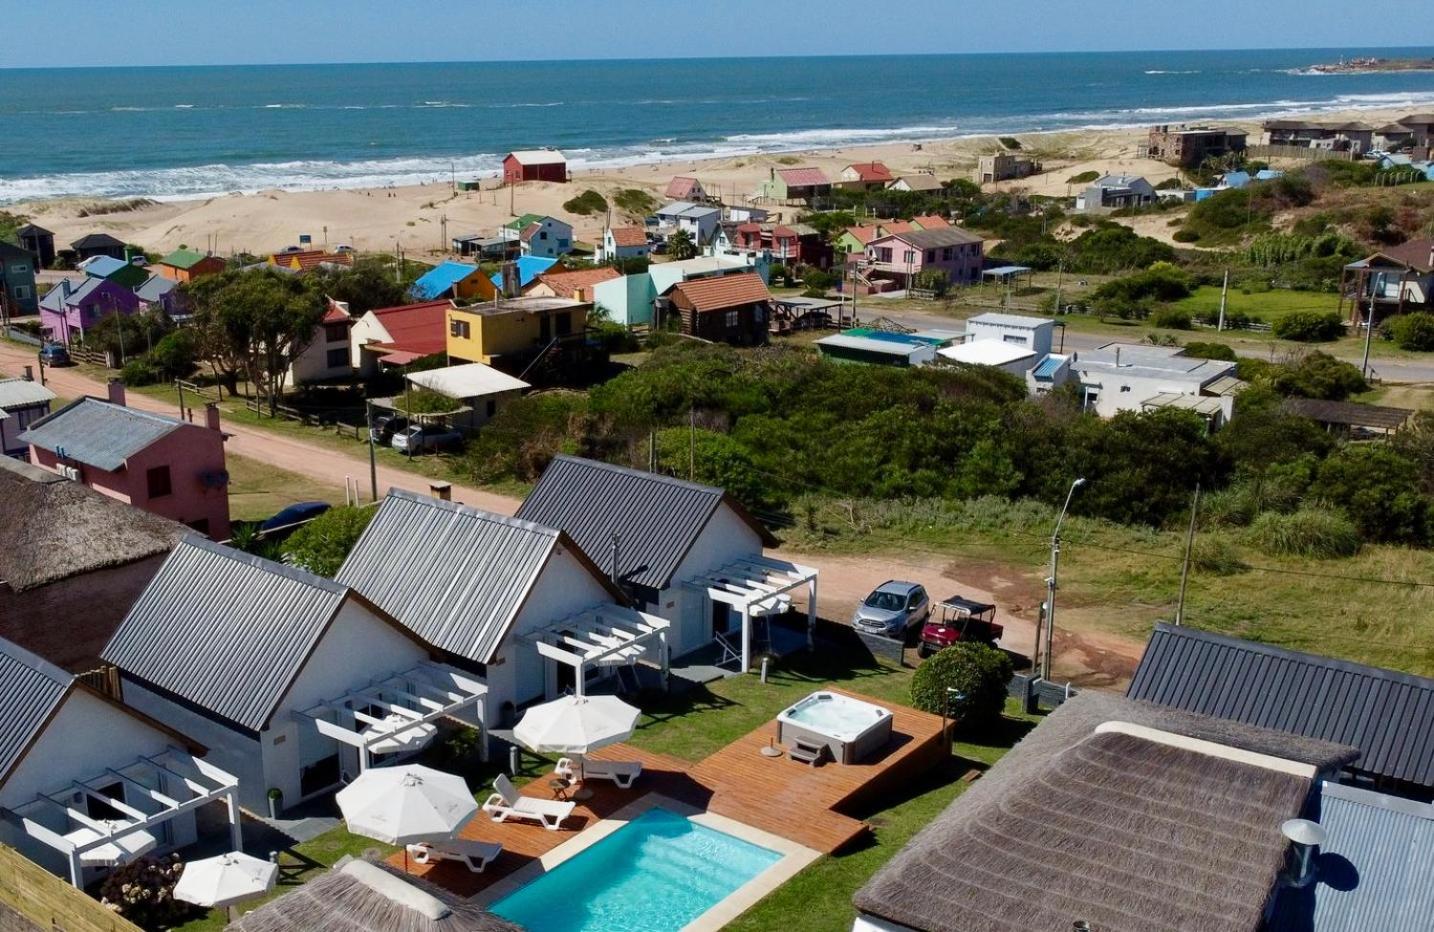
<point>1389,716</point>
<point>99,433</point>
<point>537,156</point>
<point>16,393</point>
<point>1375,870</point>
<point>31,688</point>
<point>469,380</point>
<point>656,518</point>
<point>454,575</point>
<point>440,279</point>
<point>224,630</point>
<point>804,177</point>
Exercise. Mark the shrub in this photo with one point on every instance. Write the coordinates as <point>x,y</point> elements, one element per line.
<point>634,201</point>
<point>586,204</point>
<point>425,401</point>
<point>1216,555</point>
<point>142,891</point>
<point>1319,375</point>
<point>977,672</point>
<point>176,355</point>
<point>1380,488</point>
<point>1185,236</point>
<point>1010,142</point>
<point>1412,331</point>
<point>321,545</point>
<point>1309,326</point>
<point>139,371</point>
<point>1199,349</point>
<point>1083,177</point>
<point>1310,532</point>
<point>1172,318</point>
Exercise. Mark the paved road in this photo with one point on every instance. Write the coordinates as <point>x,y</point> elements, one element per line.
<point>1389,370</point>
<point>1084,656</point>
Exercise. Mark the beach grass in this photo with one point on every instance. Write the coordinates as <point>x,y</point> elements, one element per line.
<point>257,490</point>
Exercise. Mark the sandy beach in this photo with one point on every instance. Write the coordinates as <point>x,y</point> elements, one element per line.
<point>416,217</point>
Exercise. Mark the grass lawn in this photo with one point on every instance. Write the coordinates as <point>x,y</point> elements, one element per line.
<point>257,490</point>
<point>1266,306</point>
<point>696,724</point>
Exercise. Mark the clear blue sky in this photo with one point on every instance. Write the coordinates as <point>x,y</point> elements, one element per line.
<point>36,33</point>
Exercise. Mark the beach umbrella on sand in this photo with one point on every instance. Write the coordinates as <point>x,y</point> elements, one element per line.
<point>406,805</point>
<point>225,880</point>
<point>576,725</point>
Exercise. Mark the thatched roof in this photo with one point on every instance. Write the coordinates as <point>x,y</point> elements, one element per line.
<point>1127,831</point>
<point>52,528</point>
<point>365,896</point>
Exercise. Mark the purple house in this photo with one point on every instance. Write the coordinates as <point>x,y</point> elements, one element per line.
<point>70,308</point>
<point>903,256</point>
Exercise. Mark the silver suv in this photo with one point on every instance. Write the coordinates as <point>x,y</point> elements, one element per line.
<point>892,609</point>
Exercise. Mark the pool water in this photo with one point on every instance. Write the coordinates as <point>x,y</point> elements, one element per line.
<point>837,717</point>
<point>655,874</point>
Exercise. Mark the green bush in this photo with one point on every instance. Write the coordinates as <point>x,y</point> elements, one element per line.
<point>1310,532</point>
<point>978,673</point>
<point>1412,331</point>
<point>586,204</point>
<point>425,401</point>
<point>1083,177</point>
<point>321,545</point>
<point>1217,556</point>
<point>1200,349</point>
<point>1309,326</point>
<point>1381,488</point>
<point>1011,142</point>
<point>1171,318</point>
<point>1185,236</point>
<point>634,201</point>
<point>176,355</point>
<point>139,371</point>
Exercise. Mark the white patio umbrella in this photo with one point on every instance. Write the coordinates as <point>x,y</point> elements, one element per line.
<point>405,805</point>
<point>576,725</point>
<point>225,880</point>
<point>120,850</point>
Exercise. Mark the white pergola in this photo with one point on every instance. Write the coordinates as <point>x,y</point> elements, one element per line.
<point>603,636</point>
<point>156,789</point>
<point>757,586</point>
<point>410,702</point>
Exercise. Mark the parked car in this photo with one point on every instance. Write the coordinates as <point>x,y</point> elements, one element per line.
<point>959,619</point>
<point>892,609</point>
<point>55,355</point>
<point>384,426</point>
<point>420,439</point>
<point>300,511</point>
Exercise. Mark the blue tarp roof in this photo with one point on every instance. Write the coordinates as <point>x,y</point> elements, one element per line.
<point>529,268</point>
<point>1047,367</point>
<point>440,280</point>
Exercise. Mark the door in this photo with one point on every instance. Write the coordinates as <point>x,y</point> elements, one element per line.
<point>724,620</point>
<point>545,329</point>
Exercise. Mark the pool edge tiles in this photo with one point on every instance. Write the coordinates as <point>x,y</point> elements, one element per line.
<point>792,858</point>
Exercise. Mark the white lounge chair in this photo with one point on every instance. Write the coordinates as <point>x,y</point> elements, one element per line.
<point>476,854</point>
<point>621,772</point>
<point>507,804</point>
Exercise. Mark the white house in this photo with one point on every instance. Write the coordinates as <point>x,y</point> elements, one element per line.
<point>1130,376</point>
<point>22,402</point>
<point>547,238</point>
<point>86,783</point>
<point>1008,357</point>
<point>1112,192</point>
<point>623,243</point>
<point>688,553</point>
<point>629,299</point>
<point>696,220</point>
<point>1032,333</point>
<point>329,356</point>
<point>481,390</point>
<point>293,682</point>
<point>516,603</point>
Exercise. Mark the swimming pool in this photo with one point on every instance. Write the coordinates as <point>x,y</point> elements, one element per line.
<point>657,873</point>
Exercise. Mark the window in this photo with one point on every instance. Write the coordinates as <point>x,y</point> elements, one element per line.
<point>492,407</point>
<point>543,234</point>
<point>563,244</point>
<point>20,269</point>
<point>458,328</point>
<point>158,481</point>
<point>336,333</point>
<point>910,257</point>
<point>731,320</point>
<point>946,254</point>
<point>22,292</point>
<point>883,254</point>
<point>565,324</point>
<point>337,358</point>
<point>1013,338</point>
<point>930,255</point>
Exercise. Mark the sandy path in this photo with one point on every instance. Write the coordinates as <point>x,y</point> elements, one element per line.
<point>1084,657</point>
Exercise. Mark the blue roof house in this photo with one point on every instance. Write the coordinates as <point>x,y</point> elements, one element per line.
<point>445,280</point>
<point>529,268</point>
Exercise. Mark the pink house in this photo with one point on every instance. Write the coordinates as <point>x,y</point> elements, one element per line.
<point>903,256</point>
<point>161,464</point>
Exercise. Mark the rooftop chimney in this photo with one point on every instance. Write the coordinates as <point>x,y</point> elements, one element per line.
<point>29,374</point>
<point>1305,836</point>
<point>443,491</point>
<point>211,415</point>
<point>116,392</point>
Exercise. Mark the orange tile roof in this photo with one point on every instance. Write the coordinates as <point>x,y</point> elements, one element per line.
<point>629,236</point>
<point>718,294</point>
<point>310,259</point>
<point>895,226</point>
<point>931,222</point>
<point>579,283</point>
<point>862,234</point>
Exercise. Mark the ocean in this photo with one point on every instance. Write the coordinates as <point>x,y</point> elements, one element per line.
<point>197,131</point>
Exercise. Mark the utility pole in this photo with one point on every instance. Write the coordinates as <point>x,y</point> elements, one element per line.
<point>1052,585</point>
<point>1375,283</point>
<point>692,444</point>
<point>1224,297</point>
<point>1060,280</point>
<point>1189,548</point>
<point>372,453</point>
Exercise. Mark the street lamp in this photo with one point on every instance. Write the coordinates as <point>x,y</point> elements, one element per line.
<point>1050,620</point>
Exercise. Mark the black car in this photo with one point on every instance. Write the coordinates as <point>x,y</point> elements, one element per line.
<point>55,355</point>
<point>302,511</point>
<point>384,426</point>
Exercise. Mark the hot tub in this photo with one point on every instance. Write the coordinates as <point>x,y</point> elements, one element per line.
<point>851,729</point>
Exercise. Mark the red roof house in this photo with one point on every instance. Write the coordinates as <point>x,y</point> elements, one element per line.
<point>396,336</point>
<point>534,165</point>
<point>682,188</point>
<point>865,176</point>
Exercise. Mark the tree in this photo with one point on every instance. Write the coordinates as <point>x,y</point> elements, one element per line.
<point>681,246</point>
<point>1379,488</point>
<point>1309,326</point>
<point>1414,331</point>
<point>257,323</point>
<point>322,545</point>
<point>368,285</point>
<point>966,681</point>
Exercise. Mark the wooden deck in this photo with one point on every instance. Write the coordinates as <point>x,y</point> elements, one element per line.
<point>808,805</point>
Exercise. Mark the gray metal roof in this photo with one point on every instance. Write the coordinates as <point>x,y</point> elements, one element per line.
<point>1389,716</point>
<point>155,287</point>
<point>31,688</point>
<point>224,630</point>
<point>99,433</point>
<point>454,575</point>
<point>656,518</point>
<point>17,393</point>
<point>1374,871</point>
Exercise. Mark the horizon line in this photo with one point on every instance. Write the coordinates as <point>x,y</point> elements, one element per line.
<point>735,57</point>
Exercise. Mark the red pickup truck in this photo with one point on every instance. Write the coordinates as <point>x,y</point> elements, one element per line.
<point>958,619</point>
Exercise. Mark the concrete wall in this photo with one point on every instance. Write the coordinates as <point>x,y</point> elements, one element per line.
<point>628,300</point>
<point>1037,338</point>
<point>565,588</point>
<point>312,364</point>
<point>725,539</point>
<point>367,329</point>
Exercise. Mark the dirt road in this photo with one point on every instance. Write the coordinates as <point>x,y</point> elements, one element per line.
<point>1084,657</point>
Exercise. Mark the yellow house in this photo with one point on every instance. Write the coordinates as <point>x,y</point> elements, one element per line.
<point>512,328</point>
